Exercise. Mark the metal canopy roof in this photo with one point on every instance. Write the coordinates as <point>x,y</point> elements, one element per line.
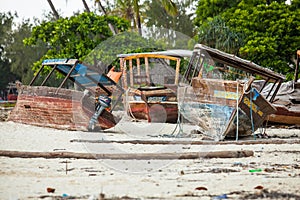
<point>239,63</point>
<point>76,72</point>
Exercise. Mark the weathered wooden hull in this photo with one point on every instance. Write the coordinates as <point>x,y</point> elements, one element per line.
<point>154,112</point>
<point>210,72</point>
<point>154,105</point>
<point>66,109</point>
<point>253,110</point>
<point>288,108</point>
<point>285,116</point>
<point>253,107</point>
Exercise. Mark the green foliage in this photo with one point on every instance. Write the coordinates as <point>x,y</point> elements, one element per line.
<point>73,37</point>
<point>270,31</point>
<point>135,10</point>
<point>21,56</point>
<point>216,34</point>
<point>295,4</point>
<point>170,7</point>
<point>6,20</point>
<point>106,53</point>
<point>208,9</point>
<point>5,75</point>
<point>127,42</point>
<point>272,34</point>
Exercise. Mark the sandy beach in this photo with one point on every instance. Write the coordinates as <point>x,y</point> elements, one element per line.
<point>273,172</point>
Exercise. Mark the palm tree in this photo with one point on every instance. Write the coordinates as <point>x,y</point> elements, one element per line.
<point>87,9</point>
<point>111,27</point>
<point>55,13</point>
<point>130,9</point>
<point>217,35</point>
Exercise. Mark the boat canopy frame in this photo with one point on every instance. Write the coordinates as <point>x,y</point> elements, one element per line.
<point>200,50</point>
<point>78,73</point>
<point>175,55</point>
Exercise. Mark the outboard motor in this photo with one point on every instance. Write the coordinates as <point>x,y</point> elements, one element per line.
<point>102,102</point>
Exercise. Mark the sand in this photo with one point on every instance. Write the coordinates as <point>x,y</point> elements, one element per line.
<point>29,178</point>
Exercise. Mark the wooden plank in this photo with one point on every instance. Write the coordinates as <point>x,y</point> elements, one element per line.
<point>131,72</point>
<point>215,91</point>
<point>128,156</point>
<point>124,72</point>
<point>147,70</point>
<point>187,142</point>
<point>297,66</point>
<point>138,64</point>
<point>177,72</point>
<point>284,119</point>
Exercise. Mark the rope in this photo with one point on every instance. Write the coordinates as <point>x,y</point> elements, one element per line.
<point>251,117</point>
<point>237,112</point>
<point>178,123</point>
<point>172,134</point>
<point>129,107</point>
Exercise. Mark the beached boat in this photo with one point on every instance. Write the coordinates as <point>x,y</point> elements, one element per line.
<point>221,96</point>
<point>152,86</point>
<point>155,104</point>
<point>287,104</point>
<point>287,101</point>
<point>12,92</point>
<point>60,107</point>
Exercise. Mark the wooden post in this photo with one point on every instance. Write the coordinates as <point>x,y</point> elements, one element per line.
<point>147,70</point>
<point>177,72</point>
<point>122,70</point>
<point>131,72</point>
<point>200,74</point>
<point>138,64</point>
<point>297,66</point>
<point>124,73</point>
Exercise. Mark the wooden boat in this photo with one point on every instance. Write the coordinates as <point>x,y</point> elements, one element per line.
<point>288,108</point>
<point>221,105</point>
<point>152,86</point>
<point>155,104</point>
<point>60,107</point>
<point>12,92</point>
<point>287,101</point>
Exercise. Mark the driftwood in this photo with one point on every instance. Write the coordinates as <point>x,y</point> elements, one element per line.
<point>130,156</point>
<point>186,142</point>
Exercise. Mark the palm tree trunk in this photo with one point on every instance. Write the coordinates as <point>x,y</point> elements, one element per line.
<point>137,16</point>
<point>55,13</point>
<point>139,25</point>
<point>111,27</point>
<point>87,9</point>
